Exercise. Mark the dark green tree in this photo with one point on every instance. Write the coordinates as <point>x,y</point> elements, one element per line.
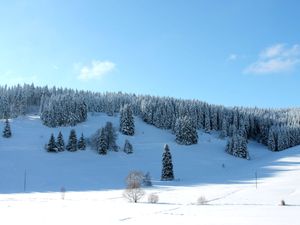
<point>167,165</point>
<point>72,143</point>
<point>60,143</point>
<point>81,143</point>
<point>7,130</point>
<point>51,147</point>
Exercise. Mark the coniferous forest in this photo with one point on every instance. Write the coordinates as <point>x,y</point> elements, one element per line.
<point>276,128</point>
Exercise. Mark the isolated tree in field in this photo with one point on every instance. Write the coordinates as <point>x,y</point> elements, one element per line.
<point>60,143</point>
<point>51,147</point>
<point>7,130</point>
<point>133,191</point>
<point>102,143</point>
<point>128,149</point>
<point>167,165</point>
<point>126,120</point>
<point>72,142</point>
<point>185,130</point>
<point>81,143</point>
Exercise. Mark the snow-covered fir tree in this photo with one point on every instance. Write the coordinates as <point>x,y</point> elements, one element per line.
<point>81,143</point>
<point>110,136</point>
<point>185,131</point>
<point>128,149</point>
<point>51,146</point>
<point>60,143</point>
<point>72,142</point>
<point>126,120</point>
<point>224,129</point>
<point>6,131</point>
<point>167,165</point>
<point>237,146</point>
<point>102,146</point>
<point>272,139</point>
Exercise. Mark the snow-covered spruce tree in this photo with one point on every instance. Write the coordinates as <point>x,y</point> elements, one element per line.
<point>6,130</point>
<point>126,120</point>
<point>60,143</point>
<point>102,146</point>
<point>167,165</point>
<point>224,132</point>
<point>81,142</point>
<point>272,139</point>
<point>110,137</point>
<point>185,130</point>
<point>237,146</point>
<point>128,149</point>
<point>72,142</point>
<point>51,147</point>
<point>207,122</point>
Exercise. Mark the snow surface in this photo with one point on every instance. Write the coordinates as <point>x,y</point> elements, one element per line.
<point>94,184</point>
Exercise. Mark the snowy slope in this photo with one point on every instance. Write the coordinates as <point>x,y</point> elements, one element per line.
<point>95,183</point>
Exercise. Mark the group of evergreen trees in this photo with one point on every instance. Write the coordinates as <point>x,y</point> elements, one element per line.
<point>105,139</point>
<point>72,145</point>
<point>276,128</point>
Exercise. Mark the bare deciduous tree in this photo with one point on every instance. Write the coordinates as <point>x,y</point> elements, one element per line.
<point>133,191</point>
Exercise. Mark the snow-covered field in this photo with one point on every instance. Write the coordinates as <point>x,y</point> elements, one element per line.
<point>95,183</point>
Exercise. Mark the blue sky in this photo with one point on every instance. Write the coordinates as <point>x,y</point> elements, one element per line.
<point>223,52</point>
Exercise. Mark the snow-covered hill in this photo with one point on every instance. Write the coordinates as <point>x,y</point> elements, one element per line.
<point>95,183</point>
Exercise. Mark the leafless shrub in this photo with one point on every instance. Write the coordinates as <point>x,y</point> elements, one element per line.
<point>153,198</point>
<point>282,203</point>
<point>201,200</point>
<point>133,194</point>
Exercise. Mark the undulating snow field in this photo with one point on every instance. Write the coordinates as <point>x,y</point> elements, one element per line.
<point>94,184</point>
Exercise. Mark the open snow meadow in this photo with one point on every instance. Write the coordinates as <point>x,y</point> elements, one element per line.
<point>31,179</point>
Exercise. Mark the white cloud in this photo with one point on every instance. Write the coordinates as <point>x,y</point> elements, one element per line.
<point>96,70</point>
<point>232,57</point>
<point>275,59</point>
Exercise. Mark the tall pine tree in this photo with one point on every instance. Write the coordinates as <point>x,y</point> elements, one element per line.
<point>72,142</point>
<point>102,145</point>
<point>7,130</point>
<point>81,143</point>
<point>167,165</point>
<point>60,143</point>
<point>126,120</point>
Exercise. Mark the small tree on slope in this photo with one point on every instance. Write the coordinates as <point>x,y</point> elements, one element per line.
<point>72,143</point>
<point>102,145</point>
<point>60,142</point>
<point>7,130</point>
<point>51,147</point>
<point>81,143</point>
<point>167,165</point>
<point>128,147</point>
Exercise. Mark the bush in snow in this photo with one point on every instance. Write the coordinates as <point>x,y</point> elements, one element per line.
<point>72,142</point>
<point>201,200</point>
<point>282,203</point>
<point>128,149</point>
<point>147,180</point>
<point>6,130</point>
<point>126,120</point>
<point>185,131</point>
<point>51,147</point>
<point>153,198</point>
<point>167,165</point>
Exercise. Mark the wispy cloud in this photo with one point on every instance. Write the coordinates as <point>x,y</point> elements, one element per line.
<point>232,57</point>
<point>275,59</point>
<point>96,70</point>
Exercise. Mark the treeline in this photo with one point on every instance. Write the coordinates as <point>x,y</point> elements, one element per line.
<point>278,129</point>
